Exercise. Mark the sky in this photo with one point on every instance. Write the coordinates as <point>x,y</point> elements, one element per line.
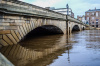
<point>79,7</point>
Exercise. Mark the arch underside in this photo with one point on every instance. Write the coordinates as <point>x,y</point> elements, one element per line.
<point>83,28</point>
<point>76,28</point>
<point>44,30</point>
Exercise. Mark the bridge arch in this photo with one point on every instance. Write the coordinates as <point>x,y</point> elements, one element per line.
<point>15,35</point>
<point>75,28</point>
<point>83,28</point>
<point>44,30</point>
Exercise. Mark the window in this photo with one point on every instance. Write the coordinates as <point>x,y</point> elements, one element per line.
<point>96,25</point>
<point>92,22</point>
<point>87,22</point>
<point>96,14</point>
<point>87,13</point>
<point>87,18</point>
<point>92,25</point>
<point>97,20</point>
<point>92,13</point>
<point>93,18</point>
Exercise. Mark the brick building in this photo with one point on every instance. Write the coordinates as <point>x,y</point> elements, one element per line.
<point>93,17</point>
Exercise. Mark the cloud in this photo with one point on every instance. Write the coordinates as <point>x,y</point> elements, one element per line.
<point>46,3</point>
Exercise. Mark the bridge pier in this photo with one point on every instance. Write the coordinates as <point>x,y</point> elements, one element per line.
<point>68,28</point>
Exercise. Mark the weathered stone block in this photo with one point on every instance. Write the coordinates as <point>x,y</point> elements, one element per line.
<point>19,30</point>
<point>18,34</point>
<point>4,24</point>
<point>0,36</point>
<point>14,35</point>
<point>10,27</point>
<point>7,40</point>
<point>3,42</point>
<point>12,38</point>
<point>4,31</point>
<point>1,27</point>
<point>16,24</point>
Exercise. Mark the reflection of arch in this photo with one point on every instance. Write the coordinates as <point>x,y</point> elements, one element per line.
<point>45,30</point>
<point>83,28</point>
<point>25,54</point>
<point>76,28</point>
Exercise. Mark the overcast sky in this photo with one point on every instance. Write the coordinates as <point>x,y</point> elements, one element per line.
<point>78,6</point>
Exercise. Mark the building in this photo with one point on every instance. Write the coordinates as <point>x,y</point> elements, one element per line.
<point>93,17</point>
<point>67,11</point>
<point>82,18</point>
<point>79,18</point>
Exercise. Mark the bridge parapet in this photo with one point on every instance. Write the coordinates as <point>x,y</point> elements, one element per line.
<point>19,7</point>
<point>73,20</point>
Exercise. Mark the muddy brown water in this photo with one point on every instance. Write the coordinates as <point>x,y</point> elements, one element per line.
<point>78,49</point>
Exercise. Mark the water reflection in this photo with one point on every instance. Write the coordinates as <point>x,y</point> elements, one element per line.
<point>36,51</point>
<point>85,50</point>
<point>77,49</point>
<point>93,40</point>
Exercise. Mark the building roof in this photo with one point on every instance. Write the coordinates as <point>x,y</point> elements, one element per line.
<point>93,10</point>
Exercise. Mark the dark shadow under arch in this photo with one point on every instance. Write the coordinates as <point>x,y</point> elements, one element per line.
<point>44,30</point>
<point>76,28</point>
<point>83,28</point>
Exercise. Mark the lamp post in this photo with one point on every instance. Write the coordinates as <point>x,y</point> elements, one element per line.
<point>67,9</point>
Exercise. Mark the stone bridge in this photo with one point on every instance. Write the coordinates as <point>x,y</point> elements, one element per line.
<point>18,19</point>
<point>74,25</point>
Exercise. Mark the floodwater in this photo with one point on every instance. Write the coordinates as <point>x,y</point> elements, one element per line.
<point>78,49</point>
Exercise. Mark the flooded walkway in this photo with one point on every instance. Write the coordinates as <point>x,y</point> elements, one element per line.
<point>78,49</point>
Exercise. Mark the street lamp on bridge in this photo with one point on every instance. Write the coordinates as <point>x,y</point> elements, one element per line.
<point>67,6</point>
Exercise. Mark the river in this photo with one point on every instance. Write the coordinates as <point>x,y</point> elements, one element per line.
<point>78,49</point>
